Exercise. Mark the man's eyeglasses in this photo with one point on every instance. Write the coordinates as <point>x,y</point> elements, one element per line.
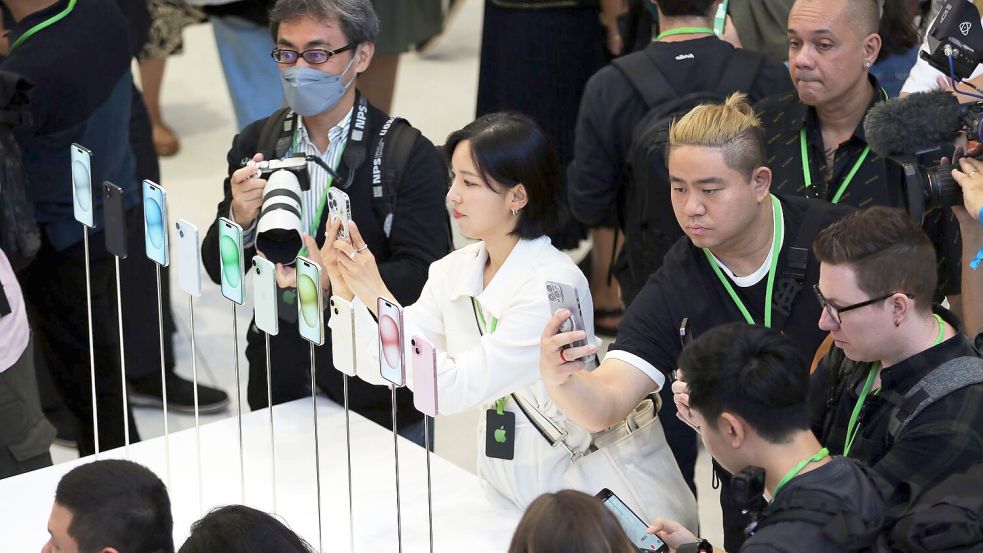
<point>313,56</point>
<point>835,312</point>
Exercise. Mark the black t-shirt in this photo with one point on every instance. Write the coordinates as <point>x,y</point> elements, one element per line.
<point>878,180</point>
<point>611,108</point>
<point>842,483</point>
<point>686,286</point>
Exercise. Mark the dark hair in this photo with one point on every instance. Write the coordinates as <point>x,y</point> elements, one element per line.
<point>356,18</point>
<point>117,504</point>
<point>569,521</point>
<point>886,249</point>
<point>685,8</point>
<point>509,149</point>
<point>241,529</point>
<point>897,29</point>
<point>749,371</point>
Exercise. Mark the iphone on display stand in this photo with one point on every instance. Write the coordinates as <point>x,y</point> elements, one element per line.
<point>156,246</point>
<point>265,314</point>
<point>393,369</point>
<point>310,320</point>
<point>633,525</point>
<point>82,203</point>
<point>425,399</point>
<point>115,231</point>
<point>232,272</point>
<point>189,279</point>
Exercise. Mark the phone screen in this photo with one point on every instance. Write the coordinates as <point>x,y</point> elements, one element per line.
<point>189,257</point>
<point>633,525</point>
<point>82,184</point>
<point>391,342</point>
<point>230,258</point>
<point>155,223</point>
<point>310,302</point>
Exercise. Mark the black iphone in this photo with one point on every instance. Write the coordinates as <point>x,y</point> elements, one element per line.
<point>115,217</point>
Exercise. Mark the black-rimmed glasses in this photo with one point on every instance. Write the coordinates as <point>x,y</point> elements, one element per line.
<point>313,56</point>
<point>835,312</point>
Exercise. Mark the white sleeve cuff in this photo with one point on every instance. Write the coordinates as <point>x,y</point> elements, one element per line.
<point>640,364</point>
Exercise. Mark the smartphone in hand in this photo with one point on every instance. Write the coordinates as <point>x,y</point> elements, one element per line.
<point>340,208</point>
<point>564,296</point>
<point>391,354</point>
<point>633,525</point>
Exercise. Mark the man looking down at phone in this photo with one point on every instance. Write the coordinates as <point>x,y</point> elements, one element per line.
<point>749,401</point>
<point>893,349</point>
<point>322,46</point>
<point>483,304</point>
<point>745,258</point>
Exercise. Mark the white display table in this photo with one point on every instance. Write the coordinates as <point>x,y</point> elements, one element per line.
<point>463,517</point>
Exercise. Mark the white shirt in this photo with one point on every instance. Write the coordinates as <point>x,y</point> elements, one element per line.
<point>475,370</point>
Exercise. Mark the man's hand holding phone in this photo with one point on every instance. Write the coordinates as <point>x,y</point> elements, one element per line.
<point>247,194</point>
<point>680,396</point>
<point>557,360</point>
<point>672,533</point>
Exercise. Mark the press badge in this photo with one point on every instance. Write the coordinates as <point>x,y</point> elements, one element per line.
<point>500,434</point>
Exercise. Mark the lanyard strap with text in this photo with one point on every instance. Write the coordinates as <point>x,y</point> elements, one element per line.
<point>484,327</point>
<point>807,173</point>
<point>822,454</point>
<point>685,31</point>
<point>853,428</point>
<point>43,25</point>
<point>775,250</point>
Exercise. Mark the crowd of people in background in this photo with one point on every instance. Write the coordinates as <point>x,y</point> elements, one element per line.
<point>756,263</point>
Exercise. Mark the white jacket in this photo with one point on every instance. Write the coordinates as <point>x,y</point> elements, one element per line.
<point>475,370</point>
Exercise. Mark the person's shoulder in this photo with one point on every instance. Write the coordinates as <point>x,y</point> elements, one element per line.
<point>796,209</point>
<point>555,264</point>
<point>457,258</point>
<point>771,108</point>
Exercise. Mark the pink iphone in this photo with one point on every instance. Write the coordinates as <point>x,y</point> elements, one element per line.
<point>424,376</point>
<point>391,355</point>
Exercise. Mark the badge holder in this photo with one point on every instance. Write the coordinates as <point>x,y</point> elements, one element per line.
<point>82,202</point>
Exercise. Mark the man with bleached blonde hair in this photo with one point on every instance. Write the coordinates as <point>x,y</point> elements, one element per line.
<point>746,257</point>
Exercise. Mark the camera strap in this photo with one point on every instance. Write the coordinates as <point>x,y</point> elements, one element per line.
<point>807,173</point>
<point>779,229</point>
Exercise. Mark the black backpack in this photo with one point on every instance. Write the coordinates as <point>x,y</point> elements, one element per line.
<point>645,211</point>
<point>20,238</point>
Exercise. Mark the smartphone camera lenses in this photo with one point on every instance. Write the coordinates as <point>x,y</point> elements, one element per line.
<point>181,233</point>
<point>413,343</point>
<point>417,350</point>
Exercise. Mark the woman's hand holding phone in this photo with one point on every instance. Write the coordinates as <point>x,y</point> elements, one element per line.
<point>329,261</point>
<point>358,268</point>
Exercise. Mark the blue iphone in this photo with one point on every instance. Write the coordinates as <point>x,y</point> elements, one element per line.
<point>155,223</point>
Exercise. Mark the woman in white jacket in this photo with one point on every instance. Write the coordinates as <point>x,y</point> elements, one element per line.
<point>484,306</point>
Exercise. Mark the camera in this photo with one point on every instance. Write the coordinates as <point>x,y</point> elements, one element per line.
<point>297,165</point>
<point>955,41</point>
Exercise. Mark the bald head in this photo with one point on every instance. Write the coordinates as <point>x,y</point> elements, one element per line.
<point>864,16</point>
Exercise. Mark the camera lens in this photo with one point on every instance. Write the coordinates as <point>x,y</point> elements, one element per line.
<point>336,311</point>
<point>181,233</point>
<point>413,342</point>
<point>417,350</point>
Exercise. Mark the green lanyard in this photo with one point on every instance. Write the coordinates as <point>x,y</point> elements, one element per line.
<point>720,20</point>
<point>822,454</point>
<point>500,402</point>
<point>43,25</point>
<point>776,246</point>
<point>324,197</point>
<point>853,428</point>
<point>807,174</point>
<point>685,31</point>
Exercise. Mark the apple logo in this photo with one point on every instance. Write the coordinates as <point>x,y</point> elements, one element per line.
<point>500,435</point>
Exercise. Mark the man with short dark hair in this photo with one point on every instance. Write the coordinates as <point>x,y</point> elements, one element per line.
<point>876,283</point>
<point>110,506</point>
<point>748,399</point>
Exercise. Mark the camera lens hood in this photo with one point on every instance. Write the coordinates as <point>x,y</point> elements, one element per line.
<point>280,226</point>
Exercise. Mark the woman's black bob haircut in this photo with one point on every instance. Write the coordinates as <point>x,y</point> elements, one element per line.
<point>508,149</point>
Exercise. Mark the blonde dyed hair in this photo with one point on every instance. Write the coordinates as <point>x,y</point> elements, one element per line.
<point>731,127</point>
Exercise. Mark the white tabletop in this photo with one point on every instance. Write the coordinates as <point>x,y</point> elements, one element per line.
<point>463,517</point>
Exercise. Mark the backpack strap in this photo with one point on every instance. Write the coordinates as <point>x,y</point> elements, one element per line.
<point>741,71</point>
<point>277,133</point>
<point>945,379</point>
<point>797,262</point>
<point>396,140</point>
<point>645,77</point>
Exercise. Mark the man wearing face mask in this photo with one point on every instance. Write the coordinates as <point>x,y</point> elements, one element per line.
<point>321,47</point>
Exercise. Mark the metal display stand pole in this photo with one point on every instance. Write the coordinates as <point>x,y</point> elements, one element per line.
<point>269,403</point>
<point>348,443</point>
<point>194,382</point>
<point>122,365</point>
<point>317,453</point>
<point>92,347</point>
<point>399,513</point>
<point>426,447</point>
<point>242,458</point>
<point>163,381</point>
